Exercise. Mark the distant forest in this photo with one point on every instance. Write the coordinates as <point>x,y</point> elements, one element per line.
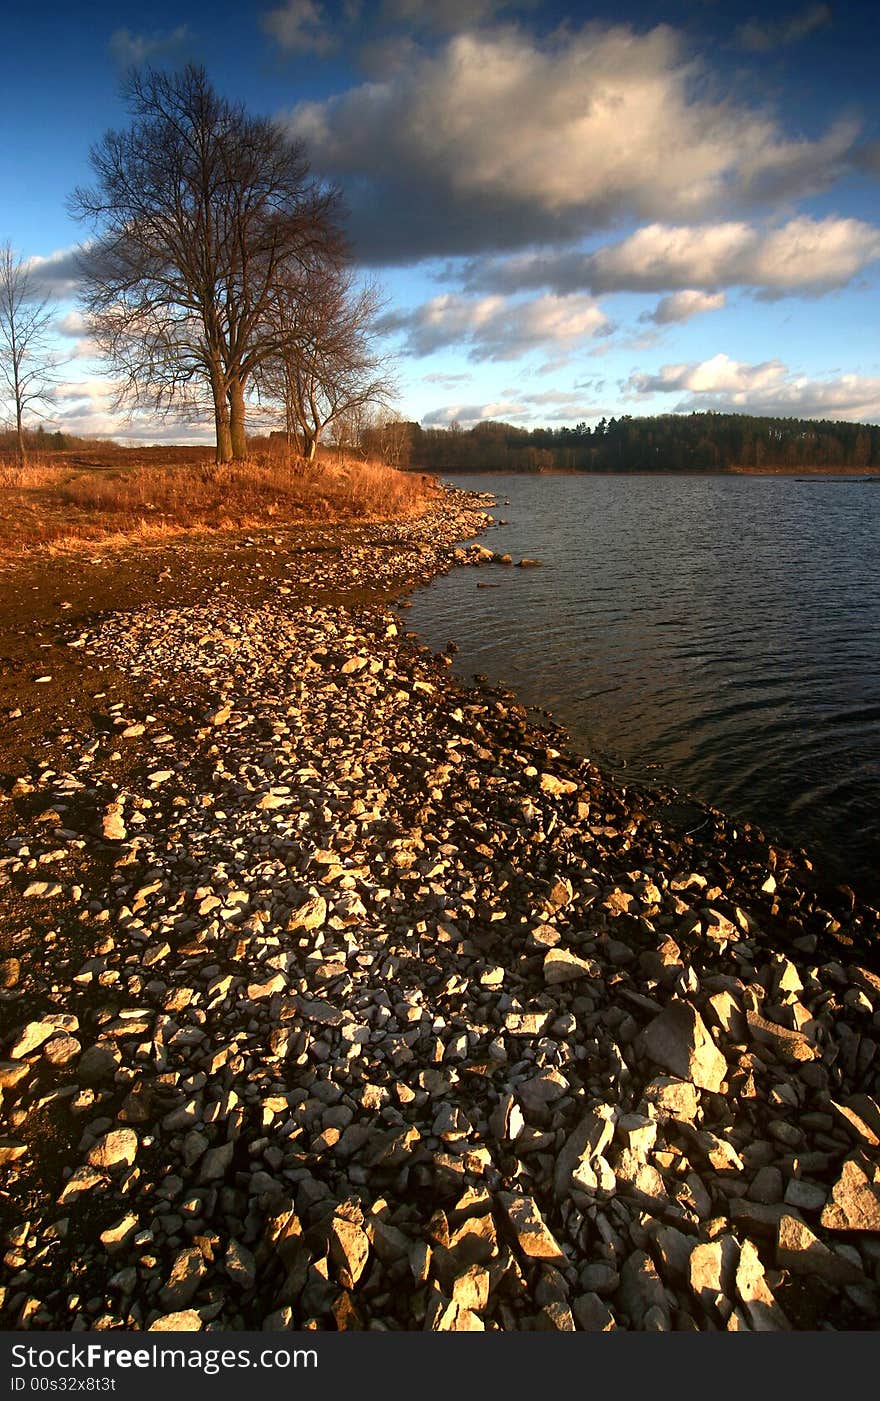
<point>697,442</point>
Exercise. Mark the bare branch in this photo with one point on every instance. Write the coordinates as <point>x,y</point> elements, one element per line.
<point>324,368</point>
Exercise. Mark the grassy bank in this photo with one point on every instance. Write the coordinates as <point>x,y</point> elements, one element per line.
<point>60,501</point>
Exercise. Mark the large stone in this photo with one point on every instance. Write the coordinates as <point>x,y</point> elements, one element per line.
<point>857,1128</point>
<point>541,1090</point>
<point>556,787</point>
<point>678,1041</point>
<point>711,1270</point>
<point>11,1150</point>
<point>13,1072</point>
<point>61,1050</point>
<point>533,1236</point>
<point>592,1314</point>
<point>471,1289</point>
<point>97,1065</point>
<point>759,1305</point>
<point>800,1251</point>
<point>789,1046</point>
<point>240,1265</point>
<point>587,1141</point>
<point>215,1163</point>
<point>184,1321</point>
<point>349,1250</point>
<point>855,1197</point>
<point>83,1180</point>
<point>672,1249</point>
<point>116,1236</point>
<point>562,966</point>
<point>116,1149</point>
<point>445,1315</point>
<point>113,824</point>
<point>187,1273</point>
<point>310,915</point>
<point>266,987</point>
<point>672,1099</point>
<point>31,1038</point>
<point>640,1288</point>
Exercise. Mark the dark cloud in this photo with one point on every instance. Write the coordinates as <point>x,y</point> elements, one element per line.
<point>867,157</point>
<point>498,140</point>
<point>301,26</point>
<point>128,49</point>
<point>59,275</point>
<point>761,35</point>
<point>450,16</point>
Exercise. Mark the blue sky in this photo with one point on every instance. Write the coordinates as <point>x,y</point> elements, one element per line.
<point>574,211</point>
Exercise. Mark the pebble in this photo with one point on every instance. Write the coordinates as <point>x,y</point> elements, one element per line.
<point>386,1009</point>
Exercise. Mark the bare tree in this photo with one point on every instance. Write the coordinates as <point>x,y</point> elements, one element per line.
<point>325,370</point>
<point>26,362</point>
<point>201,211</point>
<point>387,435</point>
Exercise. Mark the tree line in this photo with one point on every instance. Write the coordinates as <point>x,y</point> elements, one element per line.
<point>697,442</point>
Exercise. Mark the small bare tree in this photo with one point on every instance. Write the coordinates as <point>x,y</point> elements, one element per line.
<point>26,362</point>
<point>387,436</point>
<point>325,371</point>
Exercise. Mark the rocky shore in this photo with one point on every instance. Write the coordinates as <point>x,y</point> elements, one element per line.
<point>365,1002</point>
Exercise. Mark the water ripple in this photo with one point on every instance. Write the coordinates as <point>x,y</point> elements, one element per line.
<point>727,629</point>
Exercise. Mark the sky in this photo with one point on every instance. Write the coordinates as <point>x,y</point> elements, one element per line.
<point>574,211</point>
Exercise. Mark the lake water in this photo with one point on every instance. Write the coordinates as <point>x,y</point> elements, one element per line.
<point>725,629</point>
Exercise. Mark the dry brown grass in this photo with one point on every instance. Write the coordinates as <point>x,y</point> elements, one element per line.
<point>66,500</point>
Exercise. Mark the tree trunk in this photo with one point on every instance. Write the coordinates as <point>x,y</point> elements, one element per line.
<point>221,417</point>
<point>237,420</point>
<point>16,387</point>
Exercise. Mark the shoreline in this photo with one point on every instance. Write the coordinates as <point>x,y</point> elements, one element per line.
<point>369,1002</point>
<point>869,474</point>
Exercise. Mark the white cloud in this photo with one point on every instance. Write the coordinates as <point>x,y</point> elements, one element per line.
<point>681,306</point>
<point>500,139</point>
<point>719,375</point>
<point>763,35</point>
<point>561,405</point>
<point>805,256</point>
<point>494,328</point>
<point>131,50</point>
<point>766,388</point>
<point>556,406</point>
<point>468,414</point>
<point>96,391</point>
<point>73,327</point>
<point>446,381</point>
<point>85,407</point>
<point>814,254</point>
<point>73,324</point>
<point>300,26</point>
